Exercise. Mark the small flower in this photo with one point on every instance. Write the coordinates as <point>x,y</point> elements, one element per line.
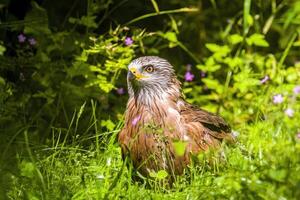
<point>296,89</point>
<point>189,76</point>
<point>278,99</point>
<point>202,74</point>
<point>121,91</point>
<point>135,120</point>
<point>265,79</point>
<point>32,41</point>
<point>21,38</point>
<point>235,134</point>
<point>128,41</point>
<point>289,112</point>
<point>298,135</point>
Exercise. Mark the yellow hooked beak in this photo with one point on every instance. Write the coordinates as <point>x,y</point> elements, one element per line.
<point>136,74</point>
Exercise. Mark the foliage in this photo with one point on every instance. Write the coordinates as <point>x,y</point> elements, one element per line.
<point>63,79</point>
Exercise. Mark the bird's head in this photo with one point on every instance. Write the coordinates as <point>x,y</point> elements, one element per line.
<point>150,75</point>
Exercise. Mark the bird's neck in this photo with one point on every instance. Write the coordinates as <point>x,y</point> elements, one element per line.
<point>149,95</point>
<point>151,105</point>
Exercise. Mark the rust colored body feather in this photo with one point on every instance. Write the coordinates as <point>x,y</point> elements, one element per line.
<point>151,129</point>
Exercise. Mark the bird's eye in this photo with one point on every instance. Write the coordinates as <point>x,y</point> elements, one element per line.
<point>149,68</point>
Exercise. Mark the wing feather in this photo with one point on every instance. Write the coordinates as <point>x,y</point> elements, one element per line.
<point>213,124</point>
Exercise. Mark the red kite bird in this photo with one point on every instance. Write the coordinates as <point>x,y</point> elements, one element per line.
<point>157,119</point>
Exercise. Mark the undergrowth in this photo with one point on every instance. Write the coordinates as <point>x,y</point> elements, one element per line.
<point>63,95</point>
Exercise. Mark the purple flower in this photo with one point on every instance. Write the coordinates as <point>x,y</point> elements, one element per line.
<point>32,41</point>
<point>278,99</point>
<point>189,76</point>
<point>296,89</point>
<point>136,120</point>
<point>121,91</point>
<point>289,112</point>
<point>298,135</point>
<point>21,38</point>
<point>128,41</point>
<point>265,79</point>
<point>202,74</point>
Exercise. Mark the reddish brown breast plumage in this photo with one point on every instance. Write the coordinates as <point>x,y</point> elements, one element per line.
<point>149,140</point>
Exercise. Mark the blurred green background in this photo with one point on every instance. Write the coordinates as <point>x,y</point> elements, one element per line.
<point>63,94</point>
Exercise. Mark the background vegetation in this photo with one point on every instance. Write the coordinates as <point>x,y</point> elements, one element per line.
<point>63,93</point>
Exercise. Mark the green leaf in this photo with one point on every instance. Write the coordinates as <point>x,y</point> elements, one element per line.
<point>2,49</point>
<point>187,90</point>
<point>213,84</point>
<point>208,68</point>
<point>27,169</point>
<point>257,40</point>
<point>39,20</point>
<point>250,20</point>
<point>235,39</point>
<point>219,51</point>
<point>161,174</point>
<point>213,47</point>
<point>278,175</point>
<point>108,124</point>
<point>88,21</point>
<point>2,81</point>
<point>233,62</point>
<point>179,147</point>
<point>171,36</point>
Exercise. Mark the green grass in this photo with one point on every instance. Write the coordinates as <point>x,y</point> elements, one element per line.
<point>53,148</point>
<point>264,164</point>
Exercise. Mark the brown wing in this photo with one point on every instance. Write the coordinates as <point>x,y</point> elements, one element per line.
<point>208,123</point>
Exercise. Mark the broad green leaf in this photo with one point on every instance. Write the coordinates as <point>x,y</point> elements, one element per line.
<point>187,90</point>
<point>250,20</point>
<point>210,83</point>
<point>235,39</point>
<point>213,47</point>
<point>213,84</point>
<point>161,174</point>
<point>257,40</point>
<point>233,62</point>
<point>278,175</point>
<point>171,36</point>
<point>219,51</point>
<point>108,124</point>
<point>27,169</point>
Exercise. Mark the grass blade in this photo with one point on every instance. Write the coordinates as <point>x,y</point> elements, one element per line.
<point>180,10</point>
<point>155,6</point>
<point>247,16</point>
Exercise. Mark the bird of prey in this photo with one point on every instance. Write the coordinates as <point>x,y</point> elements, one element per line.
<point>157,118</point>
